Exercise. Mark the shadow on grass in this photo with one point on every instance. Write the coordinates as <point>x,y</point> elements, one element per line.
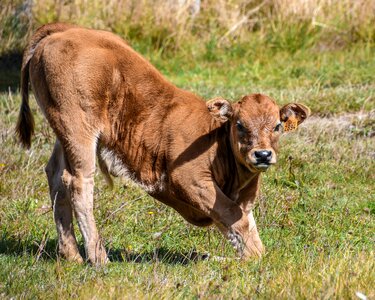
<point>10,68</point>
<point>162,254</point>
<point>47,250</point>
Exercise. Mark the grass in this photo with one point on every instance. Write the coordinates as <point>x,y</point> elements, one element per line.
<point>315,212</point>
<point>316,208</point>
<point>170,26</point>
<point>329,82</point>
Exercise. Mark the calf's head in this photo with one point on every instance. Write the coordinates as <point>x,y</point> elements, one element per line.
<point>256,123</point>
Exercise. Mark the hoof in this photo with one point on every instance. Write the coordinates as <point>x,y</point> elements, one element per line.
<point>99,260</point>
<point>76,258</point>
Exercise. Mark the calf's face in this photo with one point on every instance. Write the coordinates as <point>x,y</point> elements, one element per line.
<point>256,123</point>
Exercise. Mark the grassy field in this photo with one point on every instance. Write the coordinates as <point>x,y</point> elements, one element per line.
<point>315,213</point>
<point>316,210</point>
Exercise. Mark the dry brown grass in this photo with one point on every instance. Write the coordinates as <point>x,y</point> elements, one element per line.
<point>173,24</point>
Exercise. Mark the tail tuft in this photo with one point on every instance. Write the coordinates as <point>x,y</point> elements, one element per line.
<point>25,126</point>
<point>25,123</point>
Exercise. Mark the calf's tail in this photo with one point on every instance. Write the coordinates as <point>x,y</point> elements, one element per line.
<point>25,124</point>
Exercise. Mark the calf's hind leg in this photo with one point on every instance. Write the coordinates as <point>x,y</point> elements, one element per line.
<point>62,209</point>
<point>80,181</point>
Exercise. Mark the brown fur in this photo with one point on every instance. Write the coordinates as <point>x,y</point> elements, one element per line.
<point>103,99</point>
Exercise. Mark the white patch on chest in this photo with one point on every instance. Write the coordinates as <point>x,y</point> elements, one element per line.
<point>116,167</point>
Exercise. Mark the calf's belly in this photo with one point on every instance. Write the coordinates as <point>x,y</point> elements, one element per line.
<point>157,186</point>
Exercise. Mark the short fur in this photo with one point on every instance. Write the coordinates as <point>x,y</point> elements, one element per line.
<point>103,99</point>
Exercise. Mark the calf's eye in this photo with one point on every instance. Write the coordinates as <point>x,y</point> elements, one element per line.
<point>239,126</point>
<point>278,127</point>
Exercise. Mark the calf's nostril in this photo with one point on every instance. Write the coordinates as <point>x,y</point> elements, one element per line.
<point>263,155</point>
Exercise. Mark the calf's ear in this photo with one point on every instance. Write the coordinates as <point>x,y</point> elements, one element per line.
<point>292,115</point>
<point>220,109</point>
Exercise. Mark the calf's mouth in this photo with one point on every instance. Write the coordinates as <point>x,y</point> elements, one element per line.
<point>261,160</point>
<point>263,166</point>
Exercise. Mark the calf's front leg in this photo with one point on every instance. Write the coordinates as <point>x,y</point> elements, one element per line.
<point>236,224</point>
<point>242,234</point>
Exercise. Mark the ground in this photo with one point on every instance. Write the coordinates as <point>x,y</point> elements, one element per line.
<point>315,212</point>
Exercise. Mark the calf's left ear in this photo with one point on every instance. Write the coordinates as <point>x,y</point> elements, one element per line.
<point>293,114</point>
<point>220,109</point>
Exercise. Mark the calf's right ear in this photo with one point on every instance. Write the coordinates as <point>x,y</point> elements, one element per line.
<point>220,109</point>
<point>293,114</point>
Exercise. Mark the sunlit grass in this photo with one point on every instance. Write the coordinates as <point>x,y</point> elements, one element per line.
<point>316,207</point>
<point>315,212</point>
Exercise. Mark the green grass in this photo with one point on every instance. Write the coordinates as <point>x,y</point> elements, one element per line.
<point>329,82</point>
<point>315,212</point>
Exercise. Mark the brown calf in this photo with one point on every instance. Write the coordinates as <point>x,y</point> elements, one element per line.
<point>103,99</point>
